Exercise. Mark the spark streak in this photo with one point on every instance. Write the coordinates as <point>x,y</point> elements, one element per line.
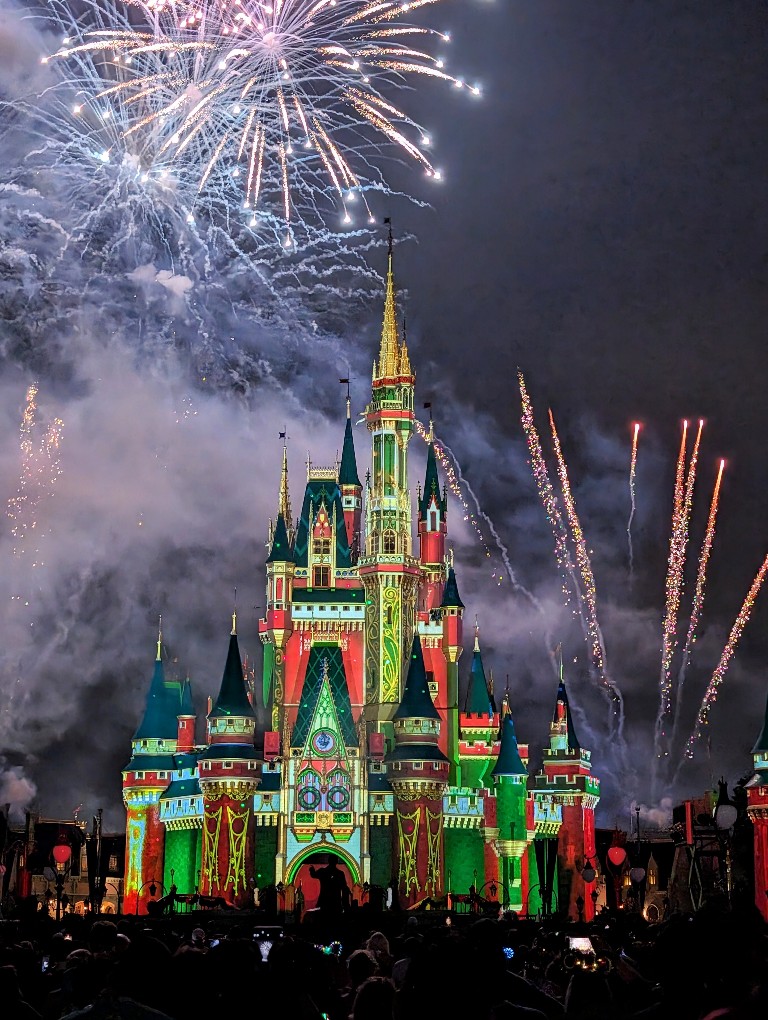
<point>710,695</point>
<point>632,472</point>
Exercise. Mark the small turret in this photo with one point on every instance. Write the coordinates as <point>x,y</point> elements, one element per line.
<point>185,738</point>
<point>509,779</point>
<point>433,529</point>
<point>351,489</point>
<point>478,701</point>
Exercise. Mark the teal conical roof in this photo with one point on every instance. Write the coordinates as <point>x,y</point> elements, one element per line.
<point>762,741</point>
<point>416,702</point>
<point>187,706</point>
<point>348,466</point>
<point>281,547</point>
<point>233,698</point>
<point>478,701</point>
<point>159,721</point>
<point>562,696</point>
<point>451,597</point>
<point>509,762</point>
<point>431,484</point>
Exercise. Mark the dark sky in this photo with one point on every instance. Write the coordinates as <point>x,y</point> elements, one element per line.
<point>601,224</point>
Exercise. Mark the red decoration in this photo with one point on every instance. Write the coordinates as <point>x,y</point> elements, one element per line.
<point>617,855</point>
<point>62,852</point>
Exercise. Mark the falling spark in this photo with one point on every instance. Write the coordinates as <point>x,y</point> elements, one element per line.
<point>632,472</point>
<point>713,688</point>
<point>589,588</point>
<point>698,597</point>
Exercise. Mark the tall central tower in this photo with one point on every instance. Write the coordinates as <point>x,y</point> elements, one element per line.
<point>389,571</point>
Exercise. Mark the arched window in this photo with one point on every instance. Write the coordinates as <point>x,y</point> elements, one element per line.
<point>389,544</point>
<point>308,792</point>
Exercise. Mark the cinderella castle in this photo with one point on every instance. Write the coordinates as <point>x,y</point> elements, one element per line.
<point>356,744</point>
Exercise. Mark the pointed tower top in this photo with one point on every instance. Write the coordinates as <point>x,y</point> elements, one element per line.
<point>232,698</point>
<point>509,762</point>
<point>431,481</point>
<point>761,747</point>
<point>348,466</point>
<point>389,351</point>
<point>477,636</point>
<point>284,501</point>
<point>159,655</point>
<point>562,715</point>
<point>451,597</point>
<point>416,702</point>
<point>187,706</point>
<point>478,701</point>
<point>159,720</point>
<point>281,546</point>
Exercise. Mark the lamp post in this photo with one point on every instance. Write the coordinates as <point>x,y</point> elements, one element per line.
<point>153,883</point>
<point>62,855</point>
<point>725,818</point>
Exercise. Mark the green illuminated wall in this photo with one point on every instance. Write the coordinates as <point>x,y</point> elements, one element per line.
<point>182,853</point>
<point>264,857</point>
<point>463,856</point>
<point>380,841</point>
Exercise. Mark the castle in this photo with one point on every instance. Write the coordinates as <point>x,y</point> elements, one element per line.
<point>355,745</point>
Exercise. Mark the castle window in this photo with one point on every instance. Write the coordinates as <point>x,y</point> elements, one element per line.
<point>321,547</point>
<point>321,577</point>
<point>227,765</point>
<point>374,544</point>
<point>389,544</point>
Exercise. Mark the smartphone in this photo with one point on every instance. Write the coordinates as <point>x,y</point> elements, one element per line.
<point>45,964</point>
<point>508,951</point>
<point>581,945</point>
<point>213,942</point>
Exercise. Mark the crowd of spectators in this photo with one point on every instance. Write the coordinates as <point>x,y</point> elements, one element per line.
<point>711,965</point>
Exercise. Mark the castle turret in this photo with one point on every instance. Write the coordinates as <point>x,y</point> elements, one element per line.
<point>145,778</point>
<point>388,569</point>
<point>433,528</point>
<point>452,613</point>
<point>478,726</point>
<point>418,774</point>
<point>510,777</point>
<point>757,808</point>
<point>186,719</point>
<point>278,623</point>
<point>566,776</point>
<point>351,489</point>
<point>229,774</point>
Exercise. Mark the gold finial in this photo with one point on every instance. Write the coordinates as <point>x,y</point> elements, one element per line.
<point>234,615</point>
<point>349,402</point>
<point>160,637</point>
<point>477,635</point>
<point>389,352</point>
<point>560,656</point>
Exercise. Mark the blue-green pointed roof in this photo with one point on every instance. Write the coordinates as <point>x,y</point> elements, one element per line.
<point>348,466</point>
<point>187,705</point>
<point>162,708</point>
<point>416,702</point>
<point>431,484</point>
<point>562,695</point>
<point>762,741</point>
<point>281,551</point>
<point>322,657</point>
<point>478,701</point>
<point>321,492</point>
<point>233,697</point>
<point>509,762</point>
<point>451,597</point>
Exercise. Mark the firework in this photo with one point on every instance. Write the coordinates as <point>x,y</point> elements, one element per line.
<point>632,471</point>
<point>589,588</point>
<point>701,581</point>
<point>710,695</point>
<point>281,107</point>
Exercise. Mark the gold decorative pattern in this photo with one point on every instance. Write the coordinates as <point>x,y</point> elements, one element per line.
<point>211,846</point>
<point>238,841</point>
<point>434,850</point>
<point>407,865</point>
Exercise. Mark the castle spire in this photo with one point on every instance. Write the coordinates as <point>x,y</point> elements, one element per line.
<point>159,656</point>
<point>232,699</point>
<point>478,697</point>
<point>348,465</point>
<point>389,351</point>
<point>284,500</point>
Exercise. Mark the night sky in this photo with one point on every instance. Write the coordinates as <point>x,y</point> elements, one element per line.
<point>601,225</point>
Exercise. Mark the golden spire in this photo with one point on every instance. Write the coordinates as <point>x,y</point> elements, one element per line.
<point>234,615</point>
<point>389,352</point>
<point>160,638</point>
<point>477,636</point>
<point>284,504</point>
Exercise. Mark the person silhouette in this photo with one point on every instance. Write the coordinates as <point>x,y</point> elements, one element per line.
<point>334,892</point>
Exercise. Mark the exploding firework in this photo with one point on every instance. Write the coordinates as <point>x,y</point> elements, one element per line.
<point>277,112</point>
<point>632,473</point>
<point>713,688</point>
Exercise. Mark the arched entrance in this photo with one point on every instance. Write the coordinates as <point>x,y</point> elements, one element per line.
<point>300,876</point>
